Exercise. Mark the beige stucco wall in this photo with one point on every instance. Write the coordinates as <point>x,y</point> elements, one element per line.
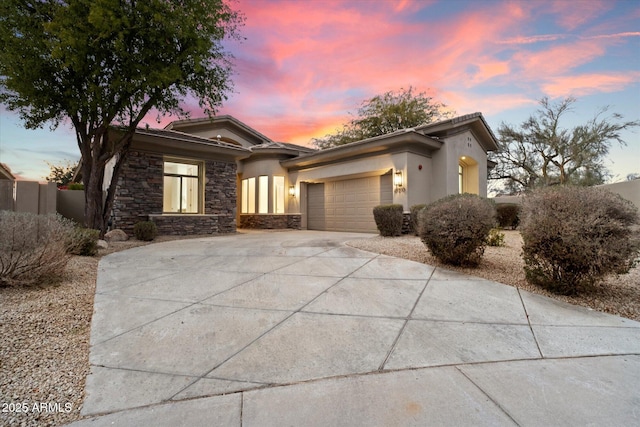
<point>629,190</point>
<point>446,160</point>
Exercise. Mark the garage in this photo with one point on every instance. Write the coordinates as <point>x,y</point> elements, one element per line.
<point>347,205</point>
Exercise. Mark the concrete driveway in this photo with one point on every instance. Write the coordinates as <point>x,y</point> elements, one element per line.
<point>295,328</point>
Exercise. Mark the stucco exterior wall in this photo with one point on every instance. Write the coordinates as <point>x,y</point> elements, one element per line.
<point>446,160</point>
<point>139,197</point>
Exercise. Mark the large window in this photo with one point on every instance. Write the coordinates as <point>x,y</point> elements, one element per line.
<point>278,194</point>
<point>263,194</point>
<point>460,179</point>
<point>182,187</point>
<point>249,195</point>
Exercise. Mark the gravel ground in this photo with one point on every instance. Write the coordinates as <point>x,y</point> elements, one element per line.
<point>617,295</point>
<point>44,344</point>
<point>44,330</point>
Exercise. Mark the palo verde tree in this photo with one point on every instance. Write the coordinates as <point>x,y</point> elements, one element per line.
<point>387,113</point>
<point>101,64</point>
<point>541,153</point>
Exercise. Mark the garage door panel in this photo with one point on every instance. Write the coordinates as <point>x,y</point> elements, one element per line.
<point>348,205</point>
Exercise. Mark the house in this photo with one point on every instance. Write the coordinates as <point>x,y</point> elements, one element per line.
<point>212,175</point>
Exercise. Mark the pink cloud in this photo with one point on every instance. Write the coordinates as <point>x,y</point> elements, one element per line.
<point>586,84</point>
<point>572,14</point>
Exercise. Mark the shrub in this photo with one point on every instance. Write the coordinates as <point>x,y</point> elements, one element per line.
<point>508,215</point>
<point>495,237</point>
<point>145,230</point>
<point>415,213</point>
<point>84,241</point>
<point>76,186</point>
<point>33,248</point>
<point>455,228</point>
<point>575,236</point>
<point>388,219</point>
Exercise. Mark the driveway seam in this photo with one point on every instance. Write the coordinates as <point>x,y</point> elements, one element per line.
<point>406,321</point>
<point>526,313</point>
<point>204,375</point>
<point>494,401</point>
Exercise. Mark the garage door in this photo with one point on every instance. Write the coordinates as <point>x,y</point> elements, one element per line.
<point>347,205</point>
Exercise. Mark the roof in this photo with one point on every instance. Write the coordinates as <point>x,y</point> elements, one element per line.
<point>400,139</point>
<point>5,172</point>
<point>475,120</point>
<point>208,121</point>
<point>182,136</point>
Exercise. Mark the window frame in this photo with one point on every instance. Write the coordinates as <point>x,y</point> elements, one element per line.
<point>200,187</point>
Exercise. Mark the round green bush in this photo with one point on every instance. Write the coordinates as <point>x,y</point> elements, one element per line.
<point>455,228</point>
<point>83,241</point>
<point>145,230</point>
<point>388,219</point>
<point>575,236</point>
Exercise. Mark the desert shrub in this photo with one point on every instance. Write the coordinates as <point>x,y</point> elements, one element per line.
<point>495,237</point>
<point>33,248</point>
<point>508,215</point>
<point>145,230</point>
<point>76,186</point>
<point>455,228</point>
<point>415,213</point>
<point>83,241</point>
<point>575,236</point>
<point>388,219</point>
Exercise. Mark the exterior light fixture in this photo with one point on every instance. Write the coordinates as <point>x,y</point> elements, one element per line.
<point>397,182</point>
<point>292,191</point>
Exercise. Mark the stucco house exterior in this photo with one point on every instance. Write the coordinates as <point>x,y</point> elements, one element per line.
<point>203,176</point>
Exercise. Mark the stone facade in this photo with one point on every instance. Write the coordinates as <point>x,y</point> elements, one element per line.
<point>139,198</point>
<point>271,221</point>
<point>406,223</point>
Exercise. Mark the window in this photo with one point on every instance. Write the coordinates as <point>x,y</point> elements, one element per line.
<point>182,187</point>
<point>263,194</point>
<point>278,194</point>
<point>249,195</point>
<point>460,179</point>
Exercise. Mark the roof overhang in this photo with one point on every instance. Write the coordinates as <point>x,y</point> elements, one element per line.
<point>5,172</point>
<point>405,140</point>
<point>173,143</point>
<point>474,122</point>
<point>224,121</point>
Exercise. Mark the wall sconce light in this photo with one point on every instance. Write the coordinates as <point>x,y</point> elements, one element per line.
<point>397,182</point>
<point>292,191</point>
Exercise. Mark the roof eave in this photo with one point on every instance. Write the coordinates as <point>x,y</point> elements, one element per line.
<point>377,145</point>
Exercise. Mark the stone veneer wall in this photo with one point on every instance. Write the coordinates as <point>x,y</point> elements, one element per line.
<point>139,198</point>
<point>271,221</point>
<point>406,223</point>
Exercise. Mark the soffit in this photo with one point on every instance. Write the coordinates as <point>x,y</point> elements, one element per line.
<point>405,140</point>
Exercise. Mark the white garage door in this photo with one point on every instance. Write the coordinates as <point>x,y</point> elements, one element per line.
<point>347,205</point>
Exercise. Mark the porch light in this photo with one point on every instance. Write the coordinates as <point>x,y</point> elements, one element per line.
<point>292,191</point>
<point>397,181</point>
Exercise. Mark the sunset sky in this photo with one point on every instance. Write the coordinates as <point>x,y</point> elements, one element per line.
<point>306,64</point>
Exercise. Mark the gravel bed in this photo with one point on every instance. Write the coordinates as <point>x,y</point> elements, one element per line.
<point>44,344</point>
<point>44,330</point>
<point>619,295</point>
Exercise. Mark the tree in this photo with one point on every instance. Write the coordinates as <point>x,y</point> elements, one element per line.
<point>540,153</point>
<point>108,63</point>
<point>384,114</point>
<point>61,174</point>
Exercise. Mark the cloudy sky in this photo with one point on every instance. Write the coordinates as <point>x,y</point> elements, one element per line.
<point>305,65</point>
